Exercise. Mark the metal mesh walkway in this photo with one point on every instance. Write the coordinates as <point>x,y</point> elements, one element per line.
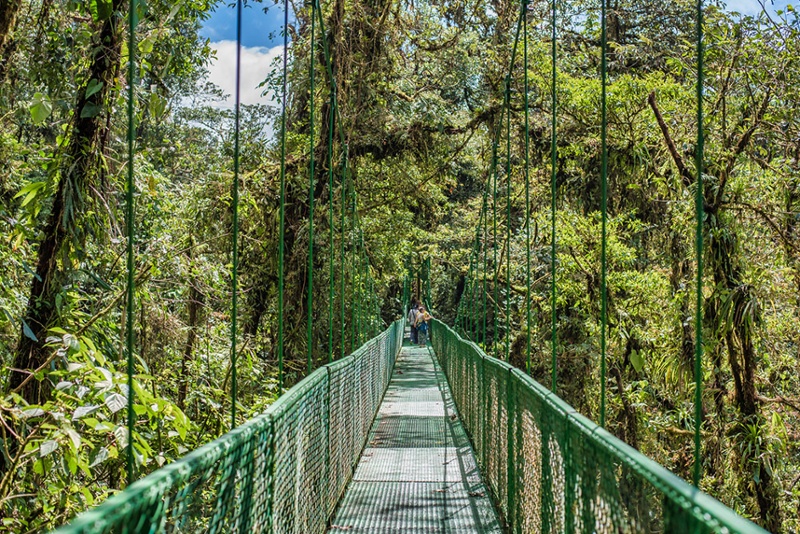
<point>418,472</point>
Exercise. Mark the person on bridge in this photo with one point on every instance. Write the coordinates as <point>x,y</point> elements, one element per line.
<point>412,320</point>
<point>423,325</point>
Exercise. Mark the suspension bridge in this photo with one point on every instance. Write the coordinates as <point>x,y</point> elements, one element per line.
<point>401,438</point>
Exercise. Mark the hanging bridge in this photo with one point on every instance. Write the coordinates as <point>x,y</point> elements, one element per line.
<point>400,438</point>
<point>411,439</point>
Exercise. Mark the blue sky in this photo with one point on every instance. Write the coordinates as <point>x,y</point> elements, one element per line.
<point>752,7</point>
<point>259,28</point>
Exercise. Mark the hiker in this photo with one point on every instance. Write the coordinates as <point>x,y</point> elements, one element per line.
<point>412,320</point>
<point>423,325</point>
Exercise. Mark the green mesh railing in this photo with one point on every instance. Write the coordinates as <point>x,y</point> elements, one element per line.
<point>283,471</point>
<point>552,470</point>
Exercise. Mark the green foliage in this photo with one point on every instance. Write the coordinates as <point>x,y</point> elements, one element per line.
<point>420,93</point>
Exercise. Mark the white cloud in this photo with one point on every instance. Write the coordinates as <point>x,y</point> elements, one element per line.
<point>256,65</point>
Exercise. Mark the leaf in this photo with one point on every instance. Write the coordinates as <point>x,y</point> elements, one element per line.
<point>146,45</point>
<point>121,433</point>
<point>64,384</point>
<point>29,191</point>
<point>40,108</point>
<point>83,411</point>
<point>93,87</point>
<point>75,437</point>
<point>32,412</point>
<point>87,495</point>
<point>90,110</point>
<point>28,332</point>
<point>157,105</point>
<point>637,361</point>
<point>115,402</point>
<point>102,283</point>
<point>72,464</point>
<point>99,457</point>
<point>100,9</point>
<point>47,447</point>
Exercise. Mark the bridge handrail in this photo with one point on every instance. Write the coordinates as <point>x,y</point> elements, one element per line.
<point>282,471</point>
<point>587,479</point>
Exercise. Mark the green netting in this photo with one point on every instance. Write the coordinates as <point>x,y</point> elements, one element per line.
<point>552,470</point>
<point>283,471</point>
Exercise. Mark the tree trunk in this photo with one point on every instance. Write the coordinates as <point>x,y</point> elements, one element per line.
<point>741,317</point>
<point>194,305</point>
<point>9,9</point>
<point>81,165</point>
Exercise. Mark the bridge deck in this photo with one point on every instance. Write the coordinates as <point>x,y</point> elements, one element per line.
<point>418,472</point>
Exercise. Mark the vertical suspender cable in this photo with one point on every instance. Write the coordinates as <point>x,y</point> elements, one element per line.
<point>332,255</point>
<point>311,171</point>
<point>485,257</point>
<point>508,187</point>
<point>475,286</point>
<point>553,161</point>
<point>527,193</point>
<point>353,260</point>
<point>129,223</point>
<point>603,208</point>
<point>342,207</point>
<point>495,308</point>
<point>334,115</point>
<point>359,257</point>
<point>477,262</point>
<point>235,239</point>
<point>282,210</point>
<point>699,198</point>
<point>465,296</point>
<point>508,209</point>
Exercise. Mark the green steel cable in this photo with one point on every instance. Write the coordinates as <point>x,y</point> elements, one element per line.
<point>699,198</point>
<point>603,209</point>
<point>459,311</point>
<point>553,160</point>
<point>331,237</point>
<point>493,172</point>
<point>342,207</point>
<point>282,210</point>
<point>485,256</point>
<point>235,238</point>
<point>129,223</point>
<point>353,254</point>
<point>466,291</point>
<point>508,212</point>
<point>509,183</point>
<point>478,245</point>
<point>527,194</point>
<point>336,112</point>
<point>329,69</point>
<point>473,289</point>
<point>311,170</point>
<point>360,286</point>
<point>363,286</point>
<point>494,245</point>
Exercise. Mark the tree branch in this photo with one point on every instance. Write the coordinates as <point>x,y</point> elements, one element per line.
<point>686,176</point>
